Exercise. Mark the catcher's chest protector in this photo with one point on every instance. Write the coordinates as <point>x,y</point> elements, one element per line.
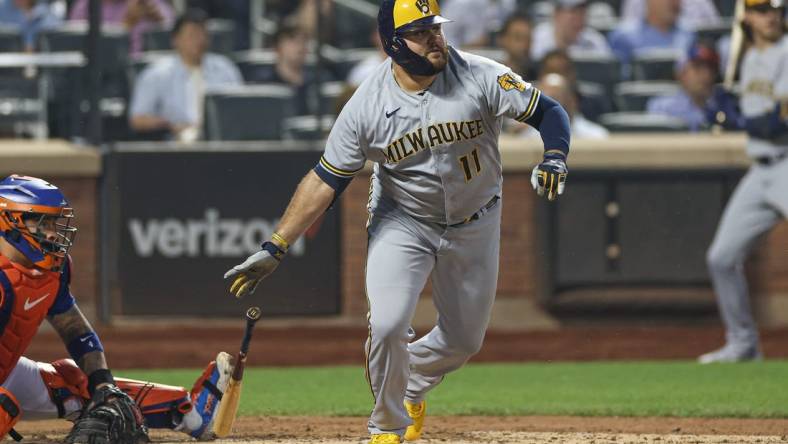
<point>27,295</point>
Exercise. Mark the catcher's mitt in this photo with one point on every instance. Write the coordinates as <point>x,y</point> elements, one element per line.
<point>111,417</point>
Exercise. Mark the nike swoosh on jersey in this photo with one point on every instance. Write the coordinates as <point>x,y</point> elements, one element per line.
<point>392,113</point>
<point>29,305</point>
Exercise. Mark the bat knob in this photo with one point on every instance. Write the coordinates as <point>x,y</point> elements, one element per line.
<point>253,314</point>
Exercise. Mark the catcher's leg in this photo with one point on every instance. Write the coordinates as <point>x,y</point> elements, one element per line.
<point>164,406</point>
<point>30,384</point>
<point>9,414</point>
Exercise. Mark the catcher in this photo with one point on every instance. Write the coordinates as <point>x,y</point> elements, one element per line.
<point>36,233</point>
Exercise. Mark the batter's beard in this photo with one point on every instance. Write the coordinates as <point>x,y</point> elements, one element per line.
<point>439,64</point>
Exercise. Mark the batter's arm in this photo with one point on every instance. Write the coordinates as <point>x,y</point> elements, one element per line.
<point>310,200</point>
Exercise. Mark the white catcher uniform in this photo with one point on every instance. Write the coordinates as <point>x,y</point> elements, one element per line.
<point>434,212</point>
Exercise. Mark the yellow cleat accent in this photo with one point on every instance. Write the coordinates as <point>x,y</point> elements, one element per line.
<point>417,413</point>
<point>385,438</point>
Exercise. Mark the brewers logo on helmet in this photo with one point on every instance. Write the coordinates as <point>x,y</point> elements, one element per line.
<point>399,16</point>
<point>35,218</point>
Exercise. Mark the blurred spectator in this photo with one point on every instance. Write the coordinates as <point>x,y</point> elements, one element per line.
<point>697,74</point>
<point>559,88</point>
<point>363,68</point>
<point>515,40</point>
<point>168,95</point>
<point>659,30</point>
<point>567,30</point>
<point>137,16</point>
<point>279,10</point>
<point>558,61</point>
<point>29,17</point>
<point>235,10</point>
<point>291,44</point>
<point>693,13</point>
<point>474,21</point>
<point>306,19</point>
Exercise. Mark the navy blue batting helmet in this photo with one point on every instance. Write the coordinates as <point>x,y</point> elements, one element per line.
<point>398,16</point>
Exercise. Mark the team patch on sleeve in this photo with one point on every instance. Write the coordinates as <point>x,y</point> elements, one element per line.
<point>510,81</point>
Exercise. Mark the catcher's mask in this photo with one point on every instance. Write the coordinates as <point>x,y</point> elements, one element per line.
<point>396,17</point>
<point>35,218</point>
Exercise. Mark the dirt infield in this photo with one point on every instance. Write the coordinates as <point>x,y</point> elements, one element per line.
<point>178,346</point>
<point>469,429</point>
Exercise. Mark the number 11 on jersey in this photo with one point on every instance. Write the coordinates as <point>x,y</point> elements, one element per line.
<point>470,164</point>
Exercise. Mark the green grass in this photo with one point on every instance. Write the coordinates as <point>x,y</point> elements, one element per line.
<point>578,389</point>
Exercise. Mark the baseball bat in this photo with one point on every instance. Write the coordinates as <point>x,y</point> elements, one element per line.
<point>737,44</point>
<point>225,417</point>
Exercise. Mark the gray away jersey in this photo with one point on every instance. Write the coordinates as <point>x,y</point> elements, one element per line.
<point>436,152</point>
<point>764,81</point>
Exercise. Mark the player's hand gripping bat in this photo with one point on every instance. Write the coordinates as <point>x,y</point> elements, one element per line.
<point>228,408</point>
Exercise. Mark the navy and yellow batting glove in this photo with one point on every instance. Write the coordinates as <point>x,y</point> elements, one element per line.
<point>549,177</point>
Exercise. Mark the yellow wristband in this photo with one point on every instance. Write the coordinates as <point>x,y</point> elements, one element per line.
<point>280,241</point>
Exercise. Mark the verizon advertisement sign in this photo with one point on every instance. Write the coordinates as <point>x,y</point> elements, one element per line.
<point>209,236</point>
<point>178,220</point>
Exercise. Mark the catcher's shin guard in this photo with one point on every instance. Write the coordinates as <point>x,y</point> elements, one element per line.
<point>9,414</point>
<point>207,393</point>
<point>162,405</point>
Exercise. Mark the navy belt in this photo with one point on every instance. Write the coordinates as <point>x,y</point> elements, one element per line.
<point>478,214</point>
<point>770,160</point>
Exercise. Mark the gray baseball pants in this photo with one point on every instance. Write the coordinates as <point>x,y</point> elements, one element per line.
<point>462,263</point>
<point>759,202</point>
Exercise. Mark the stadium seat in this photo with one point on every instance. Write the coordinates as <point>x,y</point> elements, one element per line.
<point>248,112</point>
<point>594,100</point>
<point>10,40</point>
<point>250,61</point>
<point>353,25</point>
<point>220,32</point>
<point>633,96</point>
<point>330,93</point>
<point>636,122</point>
<point>113,45</point>
<point>655,64</point>
<point>342,62</point>
<point>726,7</point>
<point>602,69</point>
<point>114,56</point>
<point>713,32</point>
<point>23,110</point>
<point>306,128</point>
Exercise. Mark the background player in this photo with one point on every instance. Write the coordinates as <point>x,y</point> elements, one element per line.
<point>761,198</point>
<point>429,117</point>
<point>35,273</point>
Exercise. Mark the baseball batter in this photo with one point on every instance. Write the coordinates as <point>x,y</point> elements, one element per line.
<point>761,198</point>
<point>429,118</point>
